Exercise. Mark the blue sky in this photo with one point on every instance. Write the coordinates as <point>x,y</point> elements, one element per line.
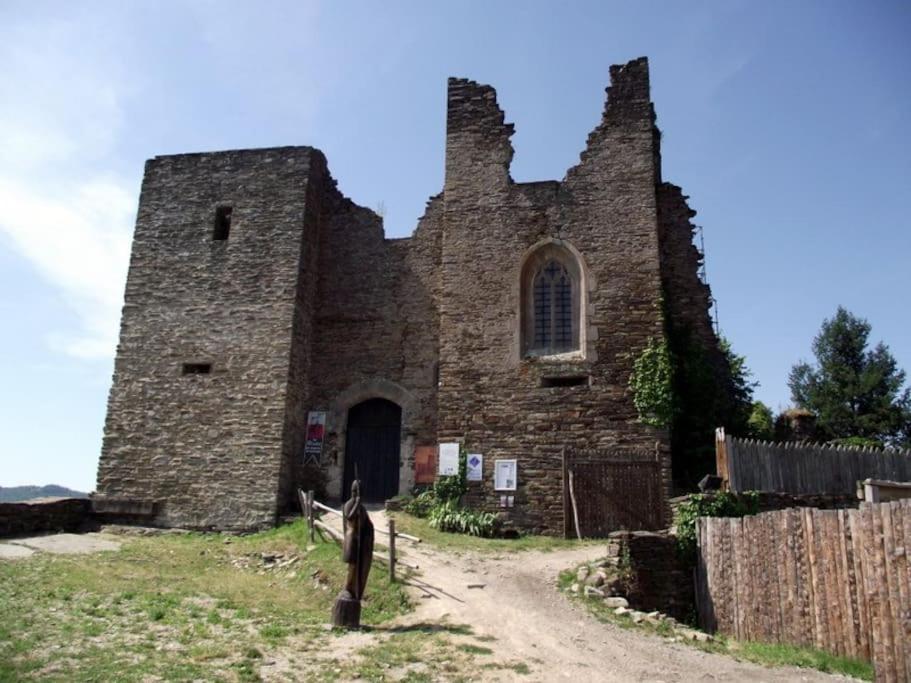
<point>786,123</point>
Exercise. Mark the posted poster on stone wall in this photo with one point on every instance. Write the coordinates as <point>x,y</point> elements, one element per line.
<point>316,434</point>
<point>449,459</point>
<point>505,473</point>
<point>474,464</point>
<point>425,464</point>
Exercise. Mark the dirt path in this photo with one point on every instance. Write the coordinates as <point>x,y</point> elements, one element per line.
<point>514,600</point>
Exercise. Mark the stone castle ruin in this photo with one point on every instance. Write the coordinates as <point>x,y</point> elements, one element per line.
<point>509,322</point>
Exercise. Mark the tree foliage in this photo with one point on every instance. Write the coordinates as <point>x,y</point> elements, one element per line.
<point>853,390</point>
<point>761,423</point>
<point>738,402</point>
<point>711,389</point>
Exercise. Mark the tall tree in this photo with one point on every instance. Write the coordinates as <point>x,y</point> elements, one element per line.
<point>854,391</point>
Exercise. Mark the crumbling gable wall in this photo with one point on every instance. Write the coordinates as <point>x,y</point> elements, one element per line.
<point>376,326</point>
<point>490,394</point>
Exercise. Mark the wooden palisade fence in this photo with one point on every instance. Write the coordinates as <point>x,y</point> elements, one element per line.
<point>836,580</point>
<point>799,467</point>
<point>312,507</point>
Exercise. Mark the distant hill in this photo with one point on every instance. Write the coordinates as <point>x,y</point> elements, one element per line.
<point>14,494</point>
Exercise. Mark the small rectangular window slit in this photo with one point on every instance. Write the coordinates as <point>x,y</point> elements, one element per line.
<point>565,381</point>
<point>197,368</point>
<point>222,223</point>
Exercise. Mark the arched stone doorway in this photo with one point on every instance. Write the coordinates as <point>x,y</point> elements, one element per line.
<point>372,449</point>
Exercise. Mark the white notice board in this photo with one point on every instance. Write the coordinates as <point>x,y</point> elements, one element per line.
<point>449,459</point>
<point>505,474</point>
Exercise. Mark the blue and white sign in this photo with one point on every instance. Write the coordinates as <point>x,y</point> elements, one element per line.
<point>474,465</point>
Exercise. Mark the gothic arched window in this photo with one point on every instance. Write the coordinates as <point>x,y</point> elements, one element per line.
<point>551,302</point>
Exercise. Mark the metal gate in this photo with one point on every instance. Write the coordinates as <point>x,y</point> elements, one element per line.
<point>610,490</point>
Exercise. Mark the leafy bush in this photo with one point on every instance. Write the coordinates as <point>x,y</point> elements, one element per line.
<point>421,504</point>
<point>448,516</point>
<point>452,488</point>
<point>442,505</point>
<point>857,442</point>
<point>721,504</point>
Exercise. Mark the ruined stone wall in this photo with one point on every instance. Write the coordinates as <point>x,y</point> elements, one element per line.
<point>657,576</point>
<point>307,306</point>
<point>376,328</point>
<point>688,299</point>
<point>605,210</point>
<point>298,397</point>
<point>34,516</point>
<point>208,447</point>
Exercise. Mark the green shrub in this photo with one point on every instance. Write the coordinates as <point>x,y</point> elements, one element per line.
<point>857,442</point>
<point>443,507</point>
<point>453,487</point>
<point>721,504</point>
<point>448,516</point>
<point>421,504</point>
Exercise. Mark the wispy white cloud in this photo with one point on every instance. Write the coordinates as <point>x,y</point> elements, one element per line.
<point>78,238</point>
<point>68,218</point>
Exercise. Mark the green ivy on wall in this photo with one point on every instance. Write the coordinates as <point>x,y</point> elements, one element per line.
<point>652,384</point>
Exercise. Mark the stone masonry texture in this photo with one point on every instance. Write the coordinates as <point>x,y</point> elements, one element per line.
<point>308,306</point>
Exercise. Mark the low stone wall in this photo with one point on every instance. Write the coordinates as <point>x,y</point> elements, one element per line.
<point>655,576</point>
<point>60,514</point>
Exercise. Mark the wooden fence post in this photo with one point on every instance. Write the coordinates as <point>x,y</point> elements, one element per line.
<point>310,516</point>
<point>721,458</point>
<point>391,550</point>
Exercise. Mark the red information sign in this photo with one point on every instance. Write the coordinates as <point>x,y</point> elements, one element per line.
<point>425,464</point>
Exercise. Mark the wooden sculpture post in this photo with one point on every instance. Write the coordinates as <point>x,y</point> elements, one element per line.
<point>357,552</point>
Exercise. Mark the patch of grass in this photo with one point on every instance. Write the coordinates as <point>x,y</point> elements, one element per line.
<point>767,654</point>
<point>418,653</point>
<point>776,654</point>
<point>273,632</point>
<point>461,542</point>
<point>172,607</point>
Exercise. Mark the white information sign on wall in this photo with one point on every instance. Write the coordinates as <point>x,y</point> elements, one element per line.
<point>449,459</point>
<point>474,464</point>
<point>505,474</point>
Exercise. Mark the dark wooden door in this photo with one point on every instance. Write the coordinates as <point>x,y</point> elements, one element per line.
<point>372,449</point>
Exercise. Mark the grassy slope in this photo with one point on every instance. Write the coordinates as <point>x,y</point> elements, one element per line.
<point>173,607</point>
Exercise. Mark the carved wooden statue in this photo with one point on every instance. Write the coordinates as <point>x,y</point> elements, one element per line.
<point>357,551</point>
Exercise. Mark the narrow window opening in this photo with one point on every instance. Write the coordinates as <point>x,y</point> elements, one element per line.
<point>222,223</point>
<point>565,381</point>
<point>197,368</point>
